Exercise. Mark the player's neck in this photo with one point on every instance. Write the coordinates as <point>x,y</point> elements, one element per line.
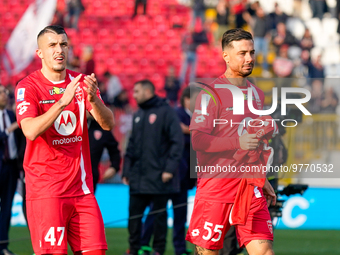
<point>53,76</point>
<point>236,79</point>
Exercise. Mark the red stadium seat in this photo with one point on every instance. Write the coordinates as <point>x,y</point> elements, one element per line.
<point>10,20</point>
<point>87,36</point>
<point>134,52</point>
<point>159,20</point>
<point>118,52</point>
<point>139,77</point>
<point>158,81</point>
<point>130,66</point>
<point>146,66</point>
<point>122,37</point>
<point>166,51</point>
<point>161,66</point>
<point>105,37</point>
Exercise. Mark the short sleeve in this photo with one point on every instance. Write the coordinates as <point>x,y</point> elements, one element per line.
<point>26,103</point>
<point>204,121</point>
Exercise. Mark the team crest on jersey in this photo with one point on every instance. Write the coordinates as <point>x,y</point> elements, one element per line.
<point>97,134</point>
<point>57,91</point>
<point>260,133</point>
<point>79,94</point>
<point>66,123</point>
<point>152,118</point>
<point>270,226</point>
<point>137,119</point>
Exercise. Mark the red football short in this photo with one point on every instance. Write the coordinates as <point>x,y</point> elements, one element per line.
<point>55,221</point>
<point>210,221</point>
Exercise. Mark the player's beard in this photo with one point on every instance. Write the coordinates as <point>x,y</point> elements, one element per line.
<point>246,73</point>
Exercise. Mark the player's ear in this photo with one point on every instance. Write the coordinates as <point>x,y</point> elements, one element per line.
<point>39,53</point>
<point>225,56</point>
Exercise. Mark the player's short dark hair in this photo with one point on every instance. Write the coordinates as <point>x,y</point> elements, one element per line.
<point>147,84</point>
<point>52,29</point>
<point>190,90</point>
<point>185,94</point>
<point>236,34</point>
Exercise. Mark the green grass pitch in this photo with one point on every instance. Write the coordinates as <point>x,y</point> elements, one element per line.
<point>287,242</point>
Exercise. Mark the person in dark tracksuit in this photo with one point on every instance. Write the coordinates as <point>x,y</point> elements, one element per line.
<point>100,139</point>
<point>179,200</point>
<point>151,163</point>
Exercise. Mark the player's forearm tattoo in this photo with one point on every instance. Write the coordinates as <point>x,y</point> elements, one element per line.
<point>265,241</point>
<point>202,251</point>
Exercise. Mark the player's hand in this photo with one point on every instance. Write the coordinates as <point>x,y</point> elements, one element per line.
<point>125,180</point>
<point>91,87</point>
<point>110,172</point>
<point>269,193</point>
<point>70,91</point>
<point>167,176</point>
<point>248,142</point>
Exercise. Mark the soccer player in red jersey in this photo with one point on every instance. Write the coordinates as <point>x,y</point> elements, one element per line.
<point>51,106</point>
<point>216,145</point>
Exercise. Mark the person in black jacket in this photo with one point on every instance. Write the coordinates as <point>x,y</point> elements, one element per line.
<point>99,140</point>
<point>151,163</point>
<point>179,200</point>
<point>9,172</point>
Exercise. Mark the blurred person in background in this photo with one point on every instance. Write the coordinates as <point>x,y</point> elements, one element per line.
<point>314,104</point>
<point>191,40</point>
<point>283,68</point>
<point>73,10</point>
<point>179,200</point>
<point>198,11</point>
<point>172,86</point>
<point>222,19</point>
<point>58,19</point>
<point>238,8</point>
<point>307,40</point>
<point>151,164</point>
<point>260,24</point>
<point>113,86</point>
<point>137,3</point>
<point>316,69</point>
<point>329,101</point>
<point>319,8</point>
<point>302,65</point>
<point>101,139</point>
<point>121,101</point>
<point>9,172</point>
<point>282,36</point>
<point>278,16</point>
<point>87,64</point>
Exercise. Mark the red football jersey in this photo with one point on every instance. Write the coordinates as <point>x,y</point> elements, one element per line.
<point>222,186</point>
<point>57,163</point>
